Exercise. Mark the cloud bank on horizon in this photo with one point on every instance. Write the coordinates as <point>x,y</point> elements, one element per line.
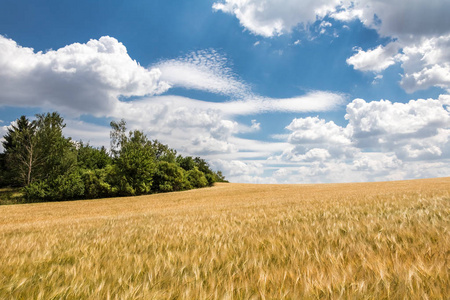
<point>223,118</point>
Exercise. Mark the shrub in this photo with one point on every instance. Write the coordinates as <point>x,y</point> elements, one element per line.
<point>169,177</point>
<point>95,184</point>
<point>197,178</point>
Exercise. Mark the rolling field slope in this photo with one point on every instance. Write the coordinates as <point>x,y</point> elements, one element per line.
<point>234,241</point>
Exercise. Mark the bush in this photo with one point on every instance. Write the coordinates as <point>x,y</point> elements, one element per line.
<point>63,187</point>
<point>169,177</point>
<point>197,178</point>
<point>36,191</point>
<point>95,184</point>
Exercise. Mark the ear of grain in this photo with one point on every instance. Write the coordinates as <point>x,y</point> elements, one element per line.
<point>234,241</point>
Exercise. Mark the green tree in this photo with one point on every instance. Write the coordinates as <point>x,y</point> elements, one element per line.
<point>204,167</point>
<point>60,154</point>
<point>197,178</point>
<point>92,158</point>
<point>134,159</point>
<point>54,173</point>
<point>117,136</point>
<point>163,152</point>
<point>219,177</point>
<point>186,163</point>
<point>22,152</point>
<point>170,177</point>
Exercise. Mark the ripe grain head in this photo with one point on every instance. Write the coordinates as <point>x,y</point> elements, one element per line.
<point>368,240</point>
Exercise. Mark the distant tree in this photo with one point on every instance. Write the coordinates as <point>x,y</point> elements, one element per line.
<point>118,136</point>
<point>51,167</point>
<point>163,152</point>
<point>170,177</point>
<point>197,178</point>
<point>53,160</point>
<point>92,158</point>
<point>219,177</point>
<point>22,152</point>
<point>97,182</point>
<point>59,153</point>
<point>4,180</point>
<point>204,167</point>
<point>187,163</point>
<point>134,160</point>
<point>96,169</point>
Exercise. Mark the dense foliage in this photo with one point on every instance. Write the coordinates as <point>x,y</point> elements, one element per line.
<point>50,167</point>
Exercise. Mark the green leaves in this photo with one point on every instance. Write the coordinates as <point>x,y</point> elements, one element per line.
<point>52,167</point>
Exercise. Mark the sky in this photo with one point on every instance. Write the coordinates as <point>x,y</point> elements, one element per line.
<point>267,91</point>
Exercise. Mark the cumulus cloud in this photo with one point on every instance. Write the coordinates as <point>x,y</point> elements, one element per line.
<point>314,139</point>
<point>76,78</point>
<point>382,141</point>
<point>270,18</point>
<point>420,29</point>
<point>418,129</point>
<point>376,60</point>
<point>426,64</point>
<point>238,167</point>
<point>95,135</point>
<point>399,19</point>
<point>312,130</point>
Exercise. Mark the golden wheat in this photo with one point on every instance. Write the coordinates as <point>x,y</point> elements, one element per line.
<point>234,241</point>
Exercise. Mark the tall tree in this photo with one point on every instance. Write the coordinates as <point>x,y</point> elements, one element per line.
<point>134,159</point>
<point>59,152</point>
<point>117,136</point>
<point>22,153</point>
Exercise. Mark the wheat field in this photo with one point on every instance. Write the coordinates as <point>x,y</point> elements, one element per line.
<point>386,240</point>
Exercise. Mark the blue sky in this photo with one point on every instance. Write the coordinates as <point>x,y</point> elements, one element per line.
<point>272,91</point>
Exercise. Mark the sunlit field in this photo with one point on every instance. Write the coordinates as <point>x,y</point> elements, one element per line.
<point>234,241</point>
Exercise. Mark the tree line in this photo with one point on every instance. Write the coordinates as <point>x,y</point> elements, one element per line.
<point>38,158</point>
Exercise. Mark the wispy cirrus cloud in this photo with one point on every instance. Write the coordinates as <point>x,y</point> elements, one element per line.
<point>205,70</point>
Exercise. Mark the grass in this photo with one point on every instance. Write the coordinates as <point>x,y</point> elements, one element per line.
<point>234,241</point>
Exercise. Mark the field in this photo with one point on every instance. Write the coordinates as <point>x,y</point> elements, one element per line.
<point>234,241</point>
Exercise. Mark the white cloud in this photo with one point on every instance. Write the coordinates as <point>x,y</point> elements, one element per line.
<point>238,167</point>
<point>401,19</point>
<point>421,28</point>
<point>377,79</point>
<point>422,31</point>
<point>312,130</point>
<point>382,141</point>
<point>376,60</point>
<point>255,125</point>
<point>314,154</point>
<point>313,101</point>
<point>3,131</point>
<point>75,79</point>
<point>95,135</point>
<point>418,129</point>
<point>314,139</point>
<point>426,64</point>
<point>398,19</point>
<point>270,18</point>
<point>323,26</point>
<point>205,70</point>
